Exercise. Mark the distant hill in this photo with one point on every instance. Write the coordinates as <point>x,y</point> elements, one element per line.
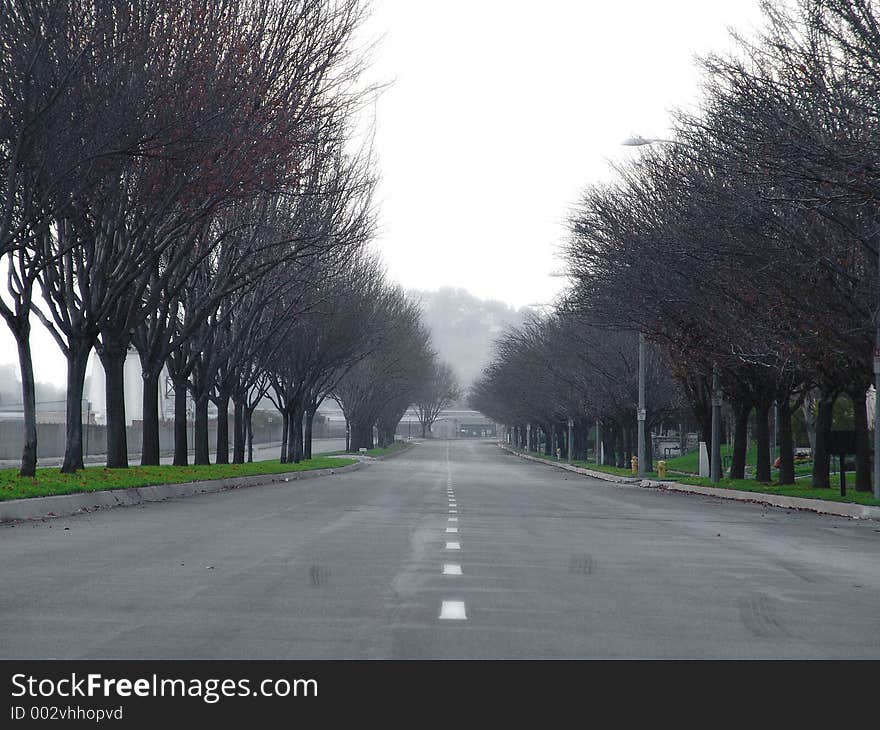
<point>464,327</point>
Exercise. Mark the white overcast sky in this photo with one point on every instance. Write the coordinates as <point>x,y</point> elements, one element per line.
<point>498,113</point>
<point>502,111</point>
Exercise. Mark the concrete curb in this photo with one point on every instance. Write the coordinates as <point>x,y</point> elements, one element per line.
<point>59,505</point>
<point>820,506</point>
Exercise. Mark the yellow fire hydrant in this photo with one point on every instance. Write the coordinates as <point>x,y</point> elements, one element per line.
<point>661,469</point>
<point>634,463</point>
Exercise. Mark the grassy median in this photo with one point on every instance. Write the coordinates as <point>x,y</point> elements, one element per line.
<point>93,478</point>
<point>394,448</point>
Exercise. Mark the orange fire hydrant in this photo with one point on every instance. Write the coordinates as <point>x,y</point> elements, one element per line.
<point>634,462</point>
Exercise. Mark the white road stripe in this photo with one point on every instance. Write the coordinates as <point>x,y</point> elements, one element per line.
<point>453,511</point>
<point>453,610</point>
<point>452,519</point>
<point>450,530</point>
<point>451,569</point>
<point>453,546</point>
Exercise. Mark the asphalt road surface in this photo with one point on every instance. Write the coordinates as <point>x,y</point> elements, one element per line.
<point>365,565</point>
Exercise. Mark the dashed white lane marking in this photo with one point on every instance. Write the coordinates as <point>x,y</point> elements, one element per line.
<point>453,511</point>
<point>452,519</point>
<point>453,546</point>
<point>451,530</point>
<point>451,569</point>
<point>453,610</point>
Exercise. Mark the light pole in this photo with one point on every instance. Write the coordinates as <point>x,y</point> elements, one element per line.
<point>637,140</point>
<point>877,415</point>
<point>641,412</point>
<point>715,462</point>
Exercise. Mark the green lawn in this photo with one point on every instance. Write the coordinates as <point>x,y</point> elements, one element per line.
<point>395,447</point>
<point>93,478</point>
<point>746,485</point>
<point>690,462</point>
<point>789,490</point>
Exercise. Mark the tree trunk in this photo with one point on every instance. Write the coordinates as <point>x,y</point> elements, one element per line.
<point>285,426</point>
<point>249,427</point>
<point>786,442</point>
<point>741,412</point>
<point>222,430</point>
<point>296,435</point>
<point>361,436</point>
<point>821,454</point>
<point>307,437</point>
<point>150,402</point>
<point>202,450</point>
<point>238,433</point>
<point>619,447</point>
<point>76,379</point>
<point>181,447</point>
<point>863,449</point>
<point>762,436</point>
<point>29,402</point>
<point>113,360</point>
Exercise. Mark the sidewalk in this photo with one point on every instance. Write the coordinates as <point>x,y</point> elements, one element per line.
<point>820,506</point>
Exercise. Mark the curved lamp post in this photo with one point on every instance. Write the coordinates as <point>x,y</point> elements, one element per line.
<point>636,140</point>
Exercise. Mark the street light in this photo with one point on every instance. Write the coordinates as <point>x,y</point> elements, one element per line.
<point>637,140</point>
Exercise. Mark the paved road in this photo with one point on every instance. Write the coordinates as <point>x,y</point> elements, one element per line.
<point>349,566</point>
<point>262,452</point>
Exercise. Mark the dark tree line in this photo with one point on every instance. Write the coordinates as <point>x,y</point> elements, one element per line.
<point>748,245</point>
<point>182,179</point>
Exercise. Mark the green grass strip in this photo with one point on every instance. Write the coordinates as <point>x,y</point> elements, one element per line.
<point>803,489</point>
<point>93,478</point>
<point>395,447</point>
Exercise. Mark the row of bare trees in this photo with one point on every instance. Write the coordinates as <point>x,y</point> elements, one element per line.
<point>566,367</point>
<point>748,245</point>
<point>181,178</point>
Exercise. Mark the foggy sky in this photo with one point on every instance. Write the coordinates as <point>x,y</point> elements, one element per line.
<point>498,113</point>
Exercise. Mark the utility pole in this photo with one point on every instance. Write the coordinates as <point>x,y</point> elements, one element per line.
<point>715,461</point>
<point>568,442</point>
<point>640,415</point>
<point>877,415</point>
